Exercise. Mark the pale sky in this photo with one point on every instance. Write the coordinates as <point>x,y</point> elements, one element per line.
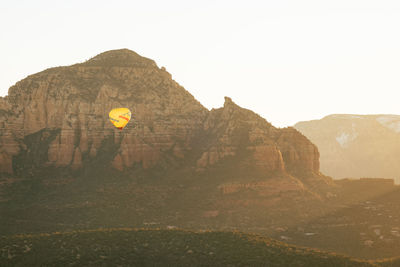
<point>288,61</point>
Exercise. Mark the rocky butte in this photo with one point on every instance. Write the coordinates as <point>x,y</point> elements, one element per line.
<point>59,118</point>
<point>54,124</point>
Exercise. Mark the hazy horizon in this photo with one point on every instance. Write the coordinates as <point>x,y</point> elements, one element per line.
<point>287,61</point>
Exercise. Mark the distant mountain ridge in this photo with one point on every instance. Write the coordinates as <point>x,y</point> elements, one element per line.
<point>356,145</point>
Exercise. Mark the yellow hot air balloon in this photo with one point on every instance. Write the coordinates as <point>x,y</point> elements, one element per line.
<point>120,117</point>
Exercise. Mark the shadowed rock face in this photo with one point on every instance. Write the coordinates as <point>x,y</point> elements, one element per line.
<point>356,145</point>
<point>234,130</point>
<point>58,118</point>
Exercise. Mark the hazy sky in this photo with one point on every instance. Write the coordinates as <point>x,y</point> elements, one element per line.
<point>286,60</point>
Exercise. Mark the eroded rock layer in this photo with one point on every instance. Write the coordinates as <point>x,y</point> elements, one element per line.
<point>58,118</point>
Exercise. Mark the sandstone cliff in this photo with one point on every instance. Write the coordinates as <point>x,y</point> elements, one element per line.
<point>73,102</point>
<point>233,131</point>
<point>58,119</point>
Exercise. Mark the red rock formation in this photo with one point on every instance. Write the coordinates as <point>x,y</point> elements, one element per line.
<point>77,99</point>
<point>60,118</point>
<point>298,152</point>
<point>232,128</point>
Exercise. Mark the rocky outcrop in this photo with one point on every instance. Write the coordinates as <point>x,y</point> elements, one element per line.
<point>299,154</point>
<point>234,131</point>
<point>58,119</point>
<point>9,133</point>
<point>76,100</point>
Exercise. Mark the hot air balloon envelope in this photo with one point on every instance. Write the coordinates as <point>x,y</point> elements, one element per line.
<point>120,117</point>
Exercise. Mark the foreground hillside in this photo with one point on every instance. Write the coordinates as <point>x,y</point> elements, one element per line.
<point>132,247</point>
<point>366,227</point>
<point>356,145</point>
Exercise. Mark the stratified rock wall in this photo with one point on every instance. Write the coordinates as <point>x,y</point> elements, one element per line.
<point>64,111</point>
<point>77,99</point>
<point>232,129</point>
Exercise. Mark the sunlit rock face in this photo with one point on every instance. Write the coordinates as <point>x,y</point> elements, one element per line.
<point>76,100</point>
<point>58,118</point>
<point>356,145</point>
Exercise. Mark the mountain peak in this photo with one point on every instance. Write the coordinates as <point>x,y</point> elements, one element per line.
<point>120,58</point>
<point>229,103</point>
<point>228,100</point>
